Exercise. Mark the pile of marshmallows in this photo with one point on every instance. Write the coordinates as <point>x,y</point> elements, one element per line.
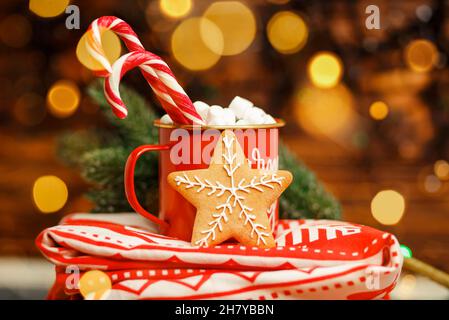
<point>240,112</point>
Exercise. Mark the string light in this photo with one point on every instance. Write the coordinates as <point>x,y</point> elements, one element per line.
<point>49,193</point>
<point>48,8</point>
<point>441,169</point>
<point>175,8</point>
<point>237,24</point>
<point>63,98</point>
<point>325,70</point>
<point>424,12</point>
<point>388,207</point>
<point>287,32</point>
<point>95,285</point>
<point>327,112</point>
<point>432,184</point>
<point>406,251</point>
<point>407,285</point>
<point>421,55</point>
<point>378,110</point>
<point>111,46</point>
<point>204,36</point>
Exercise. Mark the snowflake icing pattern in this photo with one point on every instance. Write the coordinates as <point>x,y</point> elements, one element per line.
<point>235,195</point>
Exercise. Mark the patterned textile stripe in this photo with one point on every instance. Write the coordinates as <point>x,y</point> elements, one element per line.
<point>145,265</point>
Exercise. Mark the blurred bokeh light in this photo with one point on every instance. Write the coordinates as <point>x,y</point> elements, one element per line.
<point>63,98</point>
<point>388,207</point>
<point>378,110</point>
<point>202,35</point>
<point>49,194</point>
<point>325,70</point>
<point>406,251</point>
<point>111,47</point>
<point>287,32</point>
<point>175,8</point>
<point>48,8</point>
<point>237,24</point>
<point>406,285</point>
<point>441,169</point>
<point>326,112</point>
<point>421,55</point>
<point>432,184</point>
<point>95,285</point>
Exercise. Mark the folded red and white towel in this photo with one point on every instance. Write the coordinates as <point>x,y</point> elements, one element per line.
<point>314,259</point>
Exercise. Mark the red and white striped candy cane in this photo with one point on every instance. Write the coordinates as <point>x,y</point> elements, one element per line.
<point>171,95</point>
<point>120,28</point>
<point>159,76</point>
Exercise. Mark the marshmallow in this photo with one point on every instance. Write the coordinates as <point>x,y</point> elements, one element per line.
<point>202,108</point>
<point>215,108</point>
<point>228,117</point>
<point>240,106</point>
<point>166,119</point>
<point>221,117</point>
<point>255,115</point>
<point>215,115</point>
<point>269,119</point>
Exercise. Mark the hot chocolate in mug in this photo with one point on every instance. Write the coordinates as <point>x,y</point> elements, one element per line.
<point>187,147</point>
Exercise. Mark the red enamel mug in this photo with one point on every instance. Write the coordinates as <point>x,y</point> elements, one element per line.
<point>184,147</point>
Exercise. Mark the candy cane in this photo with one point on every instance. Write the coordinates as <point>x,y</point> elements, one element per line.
<point>119,27</point>
<point>157,73</point>
<point>159,76</point>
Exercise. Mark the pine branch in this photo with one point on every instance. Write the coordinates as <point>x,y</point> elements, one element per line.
<point>71,145</point>
<point>137,128</point>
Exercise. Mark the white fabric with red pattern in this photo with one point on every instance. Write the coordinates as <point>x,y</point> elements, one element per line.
<point>314,259</point>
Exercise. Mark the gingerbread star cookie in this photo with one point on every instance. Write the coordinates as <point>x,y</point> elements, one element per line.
<point>231,198</point>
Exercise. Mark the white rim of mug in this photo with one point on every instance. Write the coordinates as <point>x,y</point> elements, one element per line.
<point>279,124</point>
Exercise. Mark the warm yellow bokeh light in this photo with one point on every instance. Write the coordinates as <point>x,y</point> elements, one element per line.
<point>407,285</point>
<point>388,207</point>
<point>175,8</point>
<point>94,285</point>
<point>111,46</point>
<point>188,44</point>
<point>421,55</point>
<point>63,98</point>
<point>441,169</point>
<point>432,184</point>
<point>237,24</point>
<point>378,110</point>
<point>287,32</point>
<point>49,194</point>
<point>325,111</point>
<point>325,70</point>
<point>48,8</point>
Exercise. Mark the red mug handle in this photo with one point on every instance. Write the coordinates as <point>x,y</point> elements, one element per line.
<point>129,181</point>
